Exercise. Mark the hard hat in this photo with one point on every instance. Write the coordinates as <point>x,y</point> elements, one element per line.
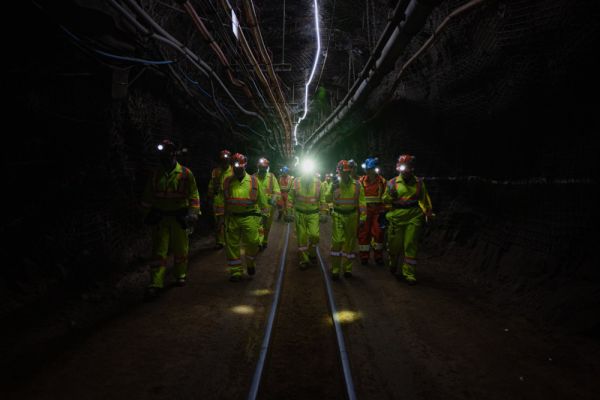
<point>224,155</point>
<point>285,169</point>
<point>370,163</point>
<point>405,161</point>
<point>352,163</point>
<point>239,160</point>
<point>263,162</point>
<point>166,146</point>
<point>344,166</point>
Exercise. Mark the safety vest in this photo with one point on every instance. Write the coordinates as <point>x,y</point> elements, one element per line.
<point>309,199</point>
<point>373,190</point>
<point>242,199</point>
<point>174,190</point>
<point>215,188</point>
<point>405,201</point>
<point>285,183</point>
<point>346,202</point>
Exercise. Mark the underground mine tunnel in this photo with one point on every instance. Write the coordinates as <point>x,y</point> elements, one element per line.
<point>459,267</point>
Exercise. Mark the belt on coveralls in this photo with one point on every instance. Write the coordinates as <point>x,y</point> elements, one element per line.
<point>340,211</point>
<point>306,212</point>
<point>247,214</point>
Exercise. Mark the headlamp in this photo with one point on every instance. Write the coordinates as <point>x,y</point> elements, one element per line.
<point>225,155</point>
<point>363,166</point>
<point>236,164</point>
<point>377,170</point>
<point>160,147</point>
<point>402,167</point>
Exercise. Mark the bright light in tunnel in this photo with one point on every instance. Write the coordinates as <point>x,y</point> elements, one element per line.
<point>262,292</point>
<point>308,166</point>
<point>312,73</point>
<point>243,310</point>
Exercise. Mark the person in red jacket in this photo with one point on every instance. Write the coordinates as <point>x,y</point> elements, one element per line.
<point>374,186</point>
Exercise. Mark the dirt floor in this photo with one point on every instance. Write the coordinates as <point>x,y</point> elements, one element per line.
<point>435,340</point>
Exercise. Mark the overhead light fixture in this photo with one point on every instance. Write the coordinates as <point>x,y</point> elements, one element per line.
<point>312,73</point>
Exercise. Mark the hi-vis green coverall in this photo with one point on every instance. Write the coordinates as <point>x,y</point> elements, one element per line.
<point>245,204</point>
<point>271,187</point>
<point>349,207</point>
<point>171,195</point>
<point>410,202</point>
<point>215,192</point>
<point>306,200</point>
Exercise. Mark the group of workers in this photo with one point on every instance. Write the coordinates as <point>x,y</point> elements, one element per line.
<point>375,212</point>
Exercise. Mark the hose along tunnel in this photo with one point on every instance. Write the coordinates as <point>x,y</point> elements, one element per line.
<point>142,260</point>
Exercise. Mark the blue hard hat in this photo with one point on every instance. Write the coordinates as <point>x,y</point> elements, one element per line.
<point>370,163</point>
<point>285,169</point>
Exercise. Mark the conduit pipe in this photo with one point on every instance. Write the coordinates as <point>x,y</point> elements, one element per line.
<point>210,41</point>
<point>252,59</point>
<point>409,17</point>
<point>250,12</point>
<point>173,42</point>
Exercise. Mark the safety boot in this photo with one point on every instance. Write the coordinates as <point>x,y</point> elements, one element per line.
<point>313,260</point>
<point>251,270</point>
<point>181,281</point>
<point>364,262</point>
<point>348,274</point>
<point>379,261</point>
<point>335,277</point>
<point>235,278</point>
<point>304,265</point>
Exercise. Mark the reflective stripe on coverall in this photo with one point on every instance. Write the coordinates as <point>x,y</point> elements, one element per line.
<point>245,204</point>
<point>306,200</point>
<point>285,185</point>
<point>171,194</point>
<point>371,229</point>
<point>349,207</point>
<point>405,221</point>
<point>215,191</point>
<point>271,189</point>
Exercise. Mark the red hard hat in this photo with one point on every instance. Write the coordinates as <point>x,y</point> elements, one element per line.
<point>224,155</point>
<point>166,145</point>
<point>405,159</point>
<point>239,160</point>
<point>344,166</point>
<point>263,162</point>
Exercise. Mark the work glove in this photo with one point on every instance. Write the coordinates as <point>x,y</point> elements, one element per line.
<point>153,217</point>
<point>187,221</point>
<point>429,216</point>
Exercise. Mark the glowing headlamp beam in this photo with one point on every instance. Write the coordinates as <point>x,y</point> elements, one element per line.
<point>312,73</point>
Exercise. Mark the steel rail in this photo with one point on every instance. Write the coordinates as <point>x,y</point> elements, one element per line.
<point>350,392</point>
<point>270,321</point>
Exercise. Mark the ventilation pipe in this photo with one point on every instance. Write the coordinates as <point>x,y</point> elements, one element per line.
<point>408,19</point>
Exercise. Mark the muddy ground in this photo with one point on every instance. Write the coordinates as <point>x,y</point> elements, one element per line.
<point>436,340</point>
